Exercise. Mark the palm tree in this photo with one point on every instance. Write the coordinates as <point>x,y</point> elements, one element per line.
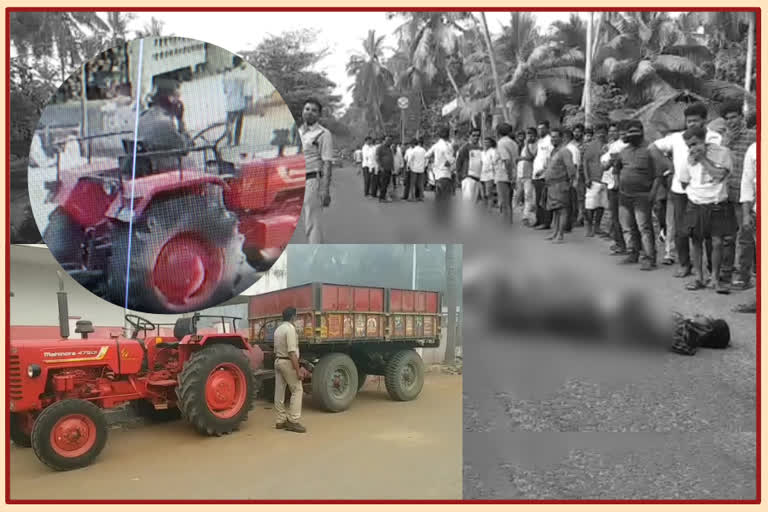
<point>494,70</point>
<point>54,33</point>
<point>372,78</point>
<point>118,24</point>
<point>432,39</point>
<point>649,56</point>
<point>538,76</point>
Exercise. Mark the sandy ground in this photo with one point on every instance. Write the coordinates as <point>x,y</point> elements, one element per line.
<point>378,449</point>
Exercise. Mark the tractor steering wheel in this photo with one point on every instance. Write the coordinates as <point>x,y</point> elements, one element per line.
<point>139,324</point>
<point>203,135</point>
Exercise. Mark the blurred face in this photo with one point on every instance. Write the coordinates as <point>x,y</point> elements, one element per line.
<point>613,133</point>
<point>601,134</point>
<point>487,144</point>
<point>387,140</point>
<point>696,147</point>
<point>587,137</point>
<point>543,130</point>
<point>578,134</point>
<point>520,137</point>
<point>311,113</point>
<point>531,137</point>
<point>694,121</point>
<point>557,138</point>
<point>733,120</point>
<point>474,138</point>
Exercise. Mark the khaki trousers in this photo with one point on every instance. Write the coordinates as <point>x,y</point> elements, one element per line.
<point>285,375</point>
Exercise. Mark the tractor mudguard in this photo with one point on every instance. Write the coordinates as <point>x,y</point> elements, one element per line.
<point>148,188</point>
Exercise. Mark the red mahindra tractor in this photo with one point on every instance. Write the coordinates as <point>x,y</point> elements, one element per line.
<point>197,233</point>
<point>59,388</point>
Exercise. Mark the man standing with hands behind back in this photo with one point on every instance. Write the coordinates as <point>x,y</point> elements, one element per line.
<point>288,373</point>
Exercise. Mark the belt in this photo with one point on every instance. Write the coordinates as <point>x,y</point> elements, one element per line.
<point>473,177</point>
<point>314,174</point>
<point>280,357</point>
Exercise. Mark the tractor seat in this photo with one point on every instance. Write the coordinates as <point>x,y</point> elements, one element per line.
<point>184,327</point>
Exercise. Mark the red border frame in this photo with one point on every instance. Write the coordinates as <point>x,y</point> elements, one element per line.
<point>8,10</point>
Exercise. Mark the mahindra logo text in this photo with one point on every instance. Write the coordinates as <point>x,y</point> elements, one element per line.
<point>70,354</point>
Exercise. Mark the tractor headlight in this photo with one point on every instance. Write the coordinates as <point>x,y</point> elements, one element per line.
<point>33,371</point>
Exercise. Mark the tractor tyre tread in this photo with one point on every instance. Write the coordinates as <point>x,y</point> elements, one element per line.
<point>392,375</point>
<point>41,433</point>
<point>191,390</point>
<point>320,375</point>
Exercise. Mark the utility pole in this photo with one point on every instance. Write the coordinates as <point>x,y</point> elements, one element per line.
<point>588,74</point>
<point>450,291</point>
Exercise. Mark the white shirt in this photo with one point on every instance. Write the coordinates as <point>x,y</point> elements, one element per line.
<point>443,153</point>
<point>234,91</point>
<point>574,149</point>
<point>417,159</point>
<point>702,188</point>
<point>367,155</point>
<point>358,156</point>
<point>491,163</point>
<point>614,148</point>
<point>541,160</point>
<point>749,176</point>
<point>675,144</point>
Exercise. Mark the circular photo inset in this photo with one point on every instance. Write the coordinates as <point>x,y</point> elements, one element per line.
<point>168,176</point>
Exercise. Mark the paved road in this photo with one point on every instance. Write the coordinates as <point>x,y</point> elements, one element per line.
<point>378,449</point>
<point>551,419</point>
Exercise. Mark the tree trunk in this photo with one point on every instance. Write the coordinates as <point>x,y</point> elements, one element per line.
<point>451,275</point>
<point>453,83</point>
<point>492,56</point>
<point>587,97</point>
<point>750,50</point>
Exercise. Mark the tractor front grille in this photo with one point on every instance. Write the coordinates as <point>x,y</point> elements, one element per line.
<point>14,377</point>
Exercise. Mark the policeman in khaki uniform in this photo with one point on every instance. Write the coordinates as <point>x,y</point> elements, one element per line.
<point>317,146</point>
<point>288,373</point>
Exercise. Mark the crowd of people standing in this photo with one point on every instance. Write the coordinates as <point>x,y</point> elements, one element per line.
<point>688,196</point>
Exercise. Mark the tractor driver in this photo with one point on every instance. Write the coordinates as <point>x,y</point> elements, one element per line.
<point>161,129</point>
<point>288,373</point>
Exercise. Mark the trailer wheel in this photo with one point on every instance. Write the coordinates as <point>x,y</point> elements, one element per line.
<point>186,254</point>
<point>21,429</point>
<point>216,389</point>
<point>69,434</point>
<point>404,375</point>
<point>334,382</point>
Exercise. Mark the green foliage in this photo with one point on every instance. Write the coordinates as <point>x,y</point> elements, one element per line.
<point>287,61</point>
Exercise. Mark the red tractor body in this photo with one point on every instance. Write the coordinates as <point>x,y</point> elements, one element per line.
<point>58,387</point>
<point>197,238</point>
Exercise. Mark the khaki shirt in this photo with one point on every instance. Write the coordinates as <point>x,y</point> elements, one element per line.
<point>286,340</point>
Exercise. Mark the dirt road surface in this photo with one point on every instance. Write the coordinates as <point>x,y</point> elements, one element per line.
<point>378,449</point>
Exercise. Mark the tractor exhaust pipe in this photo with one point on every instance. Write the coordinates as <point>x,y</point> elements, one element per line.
<point>63,308</point>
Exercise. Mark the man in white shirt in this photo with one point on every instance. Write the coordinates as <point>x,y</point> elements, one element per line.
<point>442,152</point>
<point>505,176</point>
<point>610,178</point>
<point>540,162</point>
<point>675,146</point>
<point>374,169</point>
<point>708,214</point>
<point>572,146</point>
<point>234,85</point>
<point>417,163</point>
<point>367,151</point>
<point>749,213</point>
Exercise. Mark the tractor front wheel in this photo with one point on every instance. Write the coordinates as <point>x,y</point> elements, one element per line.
<point>69,434</point>
<point>216,389</point>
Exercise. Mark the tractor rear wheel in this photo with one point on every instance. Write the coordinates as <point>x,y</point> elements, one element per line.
<point>334,382</point>
<point>21,429</point>
<point>186,255</point>
<point>404,375</point>
<point>64,237</point>
<point>69,434</point>
<point>216,389</point>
